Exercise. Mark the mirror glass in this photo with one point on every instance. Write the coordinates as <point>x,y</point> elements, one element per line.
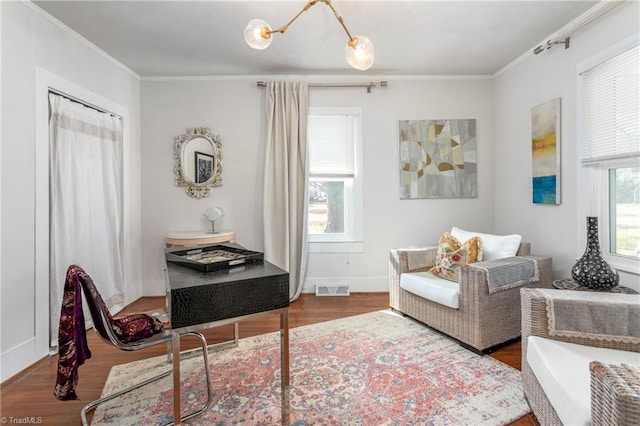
<point>201,168</point>
<point>198,161</point>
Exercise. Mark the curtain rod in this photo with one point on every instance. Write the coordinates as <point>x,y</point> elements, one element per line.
<point>82,102</point>
<point>368,85</point>
<point>563,35</point>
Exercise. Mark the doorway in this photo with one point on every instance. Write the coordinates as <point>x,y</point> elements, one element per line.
<point>60,238</point>
<point>85,195</point>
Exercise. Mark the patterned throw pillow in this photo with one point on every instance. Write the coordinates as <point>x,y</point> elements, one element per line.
<point>138,326</point>
<point>451,255</point>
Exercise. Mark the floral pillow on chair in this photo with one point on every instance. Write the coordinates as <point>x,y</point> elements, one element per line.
<point>451,255</point>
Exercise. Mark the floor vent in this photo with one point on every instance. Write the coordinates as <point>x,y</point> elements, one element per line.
<point>332,290</point>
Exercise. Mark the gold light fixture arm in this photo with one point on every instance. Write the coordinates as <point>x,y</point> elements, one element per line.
<point>266,33</point>
<point>352,40</point>
<point>358,50</point>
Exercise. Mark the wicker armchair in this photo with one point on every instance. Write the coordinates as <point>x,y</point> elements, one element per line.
<point>614,389</point>
<point>482,320</point>
<point>615,394</point>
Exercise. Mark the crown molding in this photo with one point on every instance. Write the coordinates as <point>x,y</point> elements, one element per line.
<point>77,36</point>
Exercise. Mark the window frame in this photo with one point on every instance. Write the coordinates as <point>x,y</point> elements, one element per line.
<point>602,195</point>
<point>352,240</point>
<point>597,189</point>
<point>348,208</point>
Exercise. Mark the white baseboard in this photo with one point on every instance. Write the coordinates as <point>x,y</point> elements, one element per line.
<point>18,358</point>
<point>356,284</point>
<point>152,288</point>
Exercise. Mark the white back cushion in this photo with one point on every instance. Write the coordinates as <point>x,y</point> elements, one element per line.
<point>493,246</point>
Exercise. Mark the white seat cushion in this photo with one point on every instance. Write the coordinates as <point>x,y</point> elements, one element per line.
<point>493,246</point>
<point>562,369</point>
<point>430,287</point>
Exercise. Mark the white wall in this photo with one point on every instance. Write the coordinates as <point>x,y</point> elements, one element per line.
<point>161,110</point>
<point>502,106</point>
<point>557,231</point>
<point>234,109</point>
<point>31,41</point>
<point>231,109</point>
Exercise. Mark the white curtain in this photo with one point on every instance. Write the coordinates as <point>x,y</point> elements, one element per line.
<point>85,200</point>
<point>285,180</point>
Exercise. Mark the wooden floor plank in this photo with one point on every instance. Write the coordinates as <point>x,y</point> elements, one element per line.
<point>30,393</point>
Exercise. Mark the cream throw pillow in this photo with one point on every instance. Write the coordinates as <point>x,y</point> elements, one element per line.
<point>493,246</point>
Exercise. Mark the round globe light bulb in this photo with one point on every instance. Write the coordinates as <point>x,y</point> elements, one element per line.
<point>359,53</point>
<point>254,34</point>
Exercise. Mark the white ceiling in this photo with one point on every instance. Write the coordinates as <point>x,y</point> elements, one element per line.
<point>205,38</point>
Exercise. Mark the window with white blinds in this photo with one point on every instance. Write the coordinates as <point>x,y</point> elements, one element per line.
<point>335,204</point>
<point>610,109</point>
<point>331,144</point>
<point>608,128</point>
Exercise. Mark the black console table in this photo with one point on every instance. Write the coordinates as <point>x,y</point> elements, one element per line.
<point>201,297</point>
<point>198,300</point>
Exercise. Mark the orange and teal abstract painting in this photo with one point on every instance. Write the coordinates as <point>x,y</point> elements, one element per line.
<point>545,152</point>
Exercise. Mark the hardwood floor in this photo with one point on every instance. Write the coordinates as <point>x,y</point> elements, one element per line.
<point>28,396</point>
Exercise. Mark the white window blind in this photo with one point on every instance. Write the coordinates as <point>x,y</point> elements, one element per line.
<point>611,108</point>
<point>331,145</point>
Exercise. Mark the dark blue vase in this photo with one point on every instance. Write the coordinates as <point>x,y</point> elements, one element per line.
<point>591,270</point>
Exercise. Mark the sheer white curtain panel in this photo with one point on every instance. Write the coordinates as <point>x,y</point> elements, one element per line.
<point>85,200</point>
<point>285,188</point>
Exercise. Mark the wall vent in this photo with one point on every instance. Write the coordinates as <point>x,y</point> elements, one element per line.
<point>332,290</point>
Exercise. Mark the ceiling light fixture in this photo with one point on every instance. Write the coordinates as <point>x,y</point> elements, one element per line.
<point>358,51</point>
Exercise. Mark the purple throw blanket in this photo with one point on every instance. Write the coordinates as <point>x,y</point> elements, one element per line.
<point>73,350</point>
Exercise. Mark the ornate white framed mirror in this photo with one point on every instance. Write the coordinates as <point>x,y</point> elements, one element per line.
<point>198,161</point>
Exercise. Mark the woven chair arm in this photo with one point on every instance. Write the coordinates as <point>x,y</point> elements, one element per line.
<point>474,292</point>
<point>484,266</point>
<point>473,277</point>
<point>524,249</point>
<point>400,262</point>
<point>535,321</point>
<point>615,394</point>
<point>419,259</point>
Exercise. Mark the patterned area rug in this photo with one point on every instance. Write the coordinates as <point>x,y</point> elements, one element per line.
<point>372,369</point>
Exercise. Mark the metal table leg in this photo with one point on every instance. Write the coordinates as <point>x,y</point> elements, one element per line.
<point>284,364</point>
<point>175,348</point>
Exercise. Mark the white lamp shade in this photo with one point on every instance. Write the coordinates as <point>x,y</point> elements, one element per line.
<point>361,55</point>
<point>253,34</point>
<point>214,213</point>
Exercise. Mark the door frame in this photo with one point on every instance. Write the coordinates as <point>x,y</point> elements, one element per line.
<point>45,81</point>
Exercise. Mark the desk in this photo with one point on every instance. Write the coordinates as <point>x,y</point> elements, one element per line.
<point>198,300</point>
<point>197,238</point>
